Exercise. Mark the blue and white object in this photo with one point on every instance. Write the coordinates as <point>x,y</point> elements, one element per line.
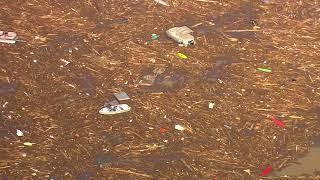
<point>116,109</point>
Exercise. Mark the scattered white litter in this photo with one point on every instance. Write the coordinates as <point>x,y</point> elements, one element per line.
<point>161,2</point>
<point>211,105</point>
<point>247,171</point>
<point>179,127</point>
<point>19,133</point>
<point>28,143</point>
<point>65,61</point>
<point>5,104</point>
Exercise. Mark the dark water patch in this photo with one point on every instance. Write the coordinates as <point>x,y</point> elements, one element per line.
<point>220,63</point>
<point>153,163</point>
<point>51,177</point>
<point>308,164</point>
<point>316,112</point>
<point>243,18</point>
<point>3,177</point>
<point>114,139</point>
<point>6,134</point>
<point>104,159</point>
<point>86,84</point>
<point>7,88</point>
<point>168,82</point>
<point>86,175</point>
<point>316,142</point>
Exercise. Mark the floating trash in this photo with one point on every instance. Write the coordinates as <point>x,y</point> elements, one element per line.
<point>112,103</point>
<point>162,130</point>
<point>154,36</point>
<point>181,35</point>
<point>264,70</point>
<point>117,109</point>
<point>247,171</point>
<point>277,122</point>
<point>28,143</point>
<point>181,55</point>
<point>121,96</point>
<point>8,37</point>
<point>161,2</point>
<point>179,127</point>
<point>228,127</point>
<point>211,105</point>
<point>65,62</point>
<point>266,171</point>
<point>19,133</point>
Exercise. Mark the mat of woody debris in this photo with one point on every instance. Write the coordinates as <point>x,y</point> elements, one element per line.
<point>261,120</point>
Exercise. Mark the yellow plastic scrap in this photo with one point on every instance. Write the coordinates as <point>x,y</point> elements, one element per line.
<point>182,56</point>
<point>28,143</point>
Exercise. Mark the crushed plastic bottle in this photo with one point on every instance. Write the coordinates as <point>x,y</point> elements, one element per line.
<point>181,35</point>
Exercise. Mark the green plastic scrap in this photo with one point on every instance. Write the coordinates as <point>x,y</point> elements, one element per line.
<point>154,36</point>
<point>264,70</point>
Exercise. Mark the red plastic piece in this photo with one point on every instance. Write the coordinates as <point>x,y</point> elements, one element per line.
<point>266,171</point>
<point>277,122</point>
<point>162,130</point>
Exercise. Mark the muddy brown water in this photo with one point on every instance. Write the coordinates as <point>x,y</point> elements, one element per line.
<point>308,164</point>
<point>167,82</point>
<point>244,17</point>
<point>87,85</point>
<point>7,88</point>
<point>221,62</point>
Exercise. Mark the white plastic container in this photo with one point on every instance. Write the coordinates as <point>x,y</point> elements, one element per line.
<point>8,37</point>
<point>181,35</point>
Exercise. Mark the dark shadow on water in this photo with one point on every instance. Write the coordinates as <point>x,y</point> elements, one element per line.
<point>216,71</point>
<point>86,175</point>
<point>7,88</point>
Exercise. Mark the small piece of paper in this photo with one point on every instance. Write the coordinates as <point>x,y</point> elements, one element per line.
<point>211,105</point>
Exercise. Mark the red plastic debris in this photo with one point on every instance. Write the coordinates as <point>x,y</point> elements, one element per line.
<point>266,171</point>
<point>162,130</point>
<point>277,122</point>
